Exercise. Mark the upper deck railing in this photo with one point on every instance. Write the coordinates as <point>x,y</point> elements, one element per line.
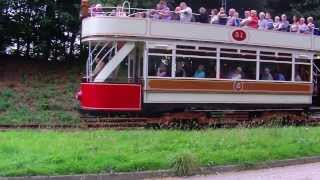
<point>149,24</point>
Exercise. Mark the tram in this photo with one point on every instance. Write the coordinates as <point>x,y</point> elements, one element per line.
<point>144,65</point>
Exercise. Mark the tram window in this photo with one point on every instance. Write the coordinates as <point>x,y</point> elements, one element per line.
<point>275,71</point>
<point>195,67</point>
<point>284,57</point>
<point>160,51</point>
<point>160,66</point>
<point>301,60</point>
<point>185,47</point>
<point>238,70</point>
<point>196,53</point>
<point>302,73</point>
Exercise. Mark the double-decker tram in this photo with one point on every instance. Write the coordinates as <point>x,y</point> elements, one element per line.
<point>172,71</point>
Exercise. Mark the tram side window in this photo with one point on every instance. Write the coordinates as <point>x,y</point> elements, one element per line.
<point>160,66</point>
<point>275,71</point>
<point>302,73</point>
<point>237,70</point>
<point>195,67</point>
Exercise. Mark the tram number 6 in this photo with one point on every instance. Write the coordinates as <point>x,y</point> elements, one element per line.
<point>239,35</point>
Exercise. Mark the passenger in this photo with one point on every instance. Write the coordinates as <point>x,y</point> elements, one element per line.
<point>238,74</point>
<point>245,21</point>
<point>214,16</point>
<point>200,73</point>
<point>180,72</point>
<point>302,27</point>
<point>253,20</point>
<point>266,75</point>
<point>185,12</point>
<point>162,71</point>
<point>263,22</point>
<point>231,20</point>
<point>238,20</point>
<point>284,24</point>
<point>310,25</point>
<point>297,78</point>
<point>279,76</point>
<point>276,23</point>
<point>295,24</point>
<point>203,17</point>
<point>269,21</point>
<point>164,11</point>
<point>97,10</point>
<point>222,16</point>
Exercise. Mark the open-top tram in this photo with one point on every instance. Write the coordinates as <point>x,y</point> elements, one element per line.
<point>143,65</point>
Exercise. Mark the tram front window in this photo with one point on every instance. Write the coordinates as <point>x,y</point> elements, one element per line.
<point>302,73</point>
<point>160,66</point>
<point>187,67</point>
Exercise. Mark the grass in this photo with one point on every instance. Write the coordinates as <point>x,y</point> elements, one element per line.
<point>62,153</point>
<point>44,98</point>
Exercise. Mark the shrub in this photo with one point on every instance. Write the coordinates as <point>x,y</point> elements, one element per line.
<point>185,164</point>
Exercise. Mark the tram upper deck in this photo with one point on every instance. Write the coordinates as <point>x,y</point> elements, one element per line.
<point>104,27</point>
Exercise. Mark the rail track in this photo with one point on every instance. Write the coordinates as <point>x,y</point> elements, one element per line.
<point>187,120</point>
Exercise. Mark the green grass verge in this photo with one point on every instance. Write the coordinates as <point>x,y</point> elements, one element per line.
<point>43,99</point>
<point>62,153</point>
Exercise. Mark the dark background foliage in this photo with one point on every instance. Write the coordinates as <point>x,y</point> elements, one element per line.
<point>49,29</point>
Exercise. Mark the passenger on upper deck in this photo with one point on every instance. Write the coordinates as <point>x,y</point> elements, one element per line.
<point>253,19</point>
<point>163,11</point>
<point>276,23</point>
<point>302,27</point>
<point>284,23</point>
<point>222,16</point>
<point>245,21</point>
<point>267,75</point>
<point>203,17</point>
<point>214,16</point>
<point>185,12</point>
<point>231,21</point>
<point>200,73</point>
<point>311,26</point>
<point>238,20</point>
<point>269,21</point>
<point>263,22</point>
<point>97,10</point>
<point>295,24</point>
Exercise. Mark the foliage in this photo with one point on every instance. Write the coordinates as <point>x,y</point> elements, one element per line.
<point>185,164</point>
<point>78,152</point>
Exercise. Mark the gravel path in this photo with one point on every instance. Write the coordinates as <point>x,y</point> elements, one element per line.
<point>299,172</point>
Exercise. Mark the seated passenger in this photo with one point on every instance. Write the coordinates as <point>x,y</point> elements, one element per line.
<point>279,77</point>
<point>276,23</point>
<point>200,73</point>
<point>237,74</point>
<point>222,16</point>
<point>164,11</point>
<point>269,21</point>
<point>302,27</point>
<point>295,24</point>
<point>180,72</point>
<point>310,25</point>
<point>162,71</point>
<point>203,17</point>
<point>238,20</point>
<point>97,10</point>
<point>284,24</point>
<point>297,78</point>
<point>214,16</point>
<point>263,22</point>
<point>245,21</point>
<point>184,12</point>
<point>231,20</point>
<point>266,75</point>
<point>253,19</point>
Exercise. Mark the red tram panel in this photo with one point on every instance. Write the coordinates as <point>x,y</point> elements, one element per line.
<point>110,97</point>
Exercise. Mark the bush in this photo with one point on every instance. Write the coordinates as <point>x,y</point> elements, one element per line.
<point>185,164</point>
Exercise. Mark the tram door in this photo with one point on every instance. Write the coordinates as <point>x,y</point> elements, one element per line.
<point>135,66</point>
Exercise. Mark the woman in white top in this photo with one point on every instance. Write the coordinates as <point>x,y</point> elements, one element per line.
<point>185,12</point>
<point>295,24</point>
<point>214,16</point>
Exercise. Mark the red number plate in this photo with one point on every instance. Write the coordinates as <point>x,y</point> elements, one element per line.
<point>239,35</point>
